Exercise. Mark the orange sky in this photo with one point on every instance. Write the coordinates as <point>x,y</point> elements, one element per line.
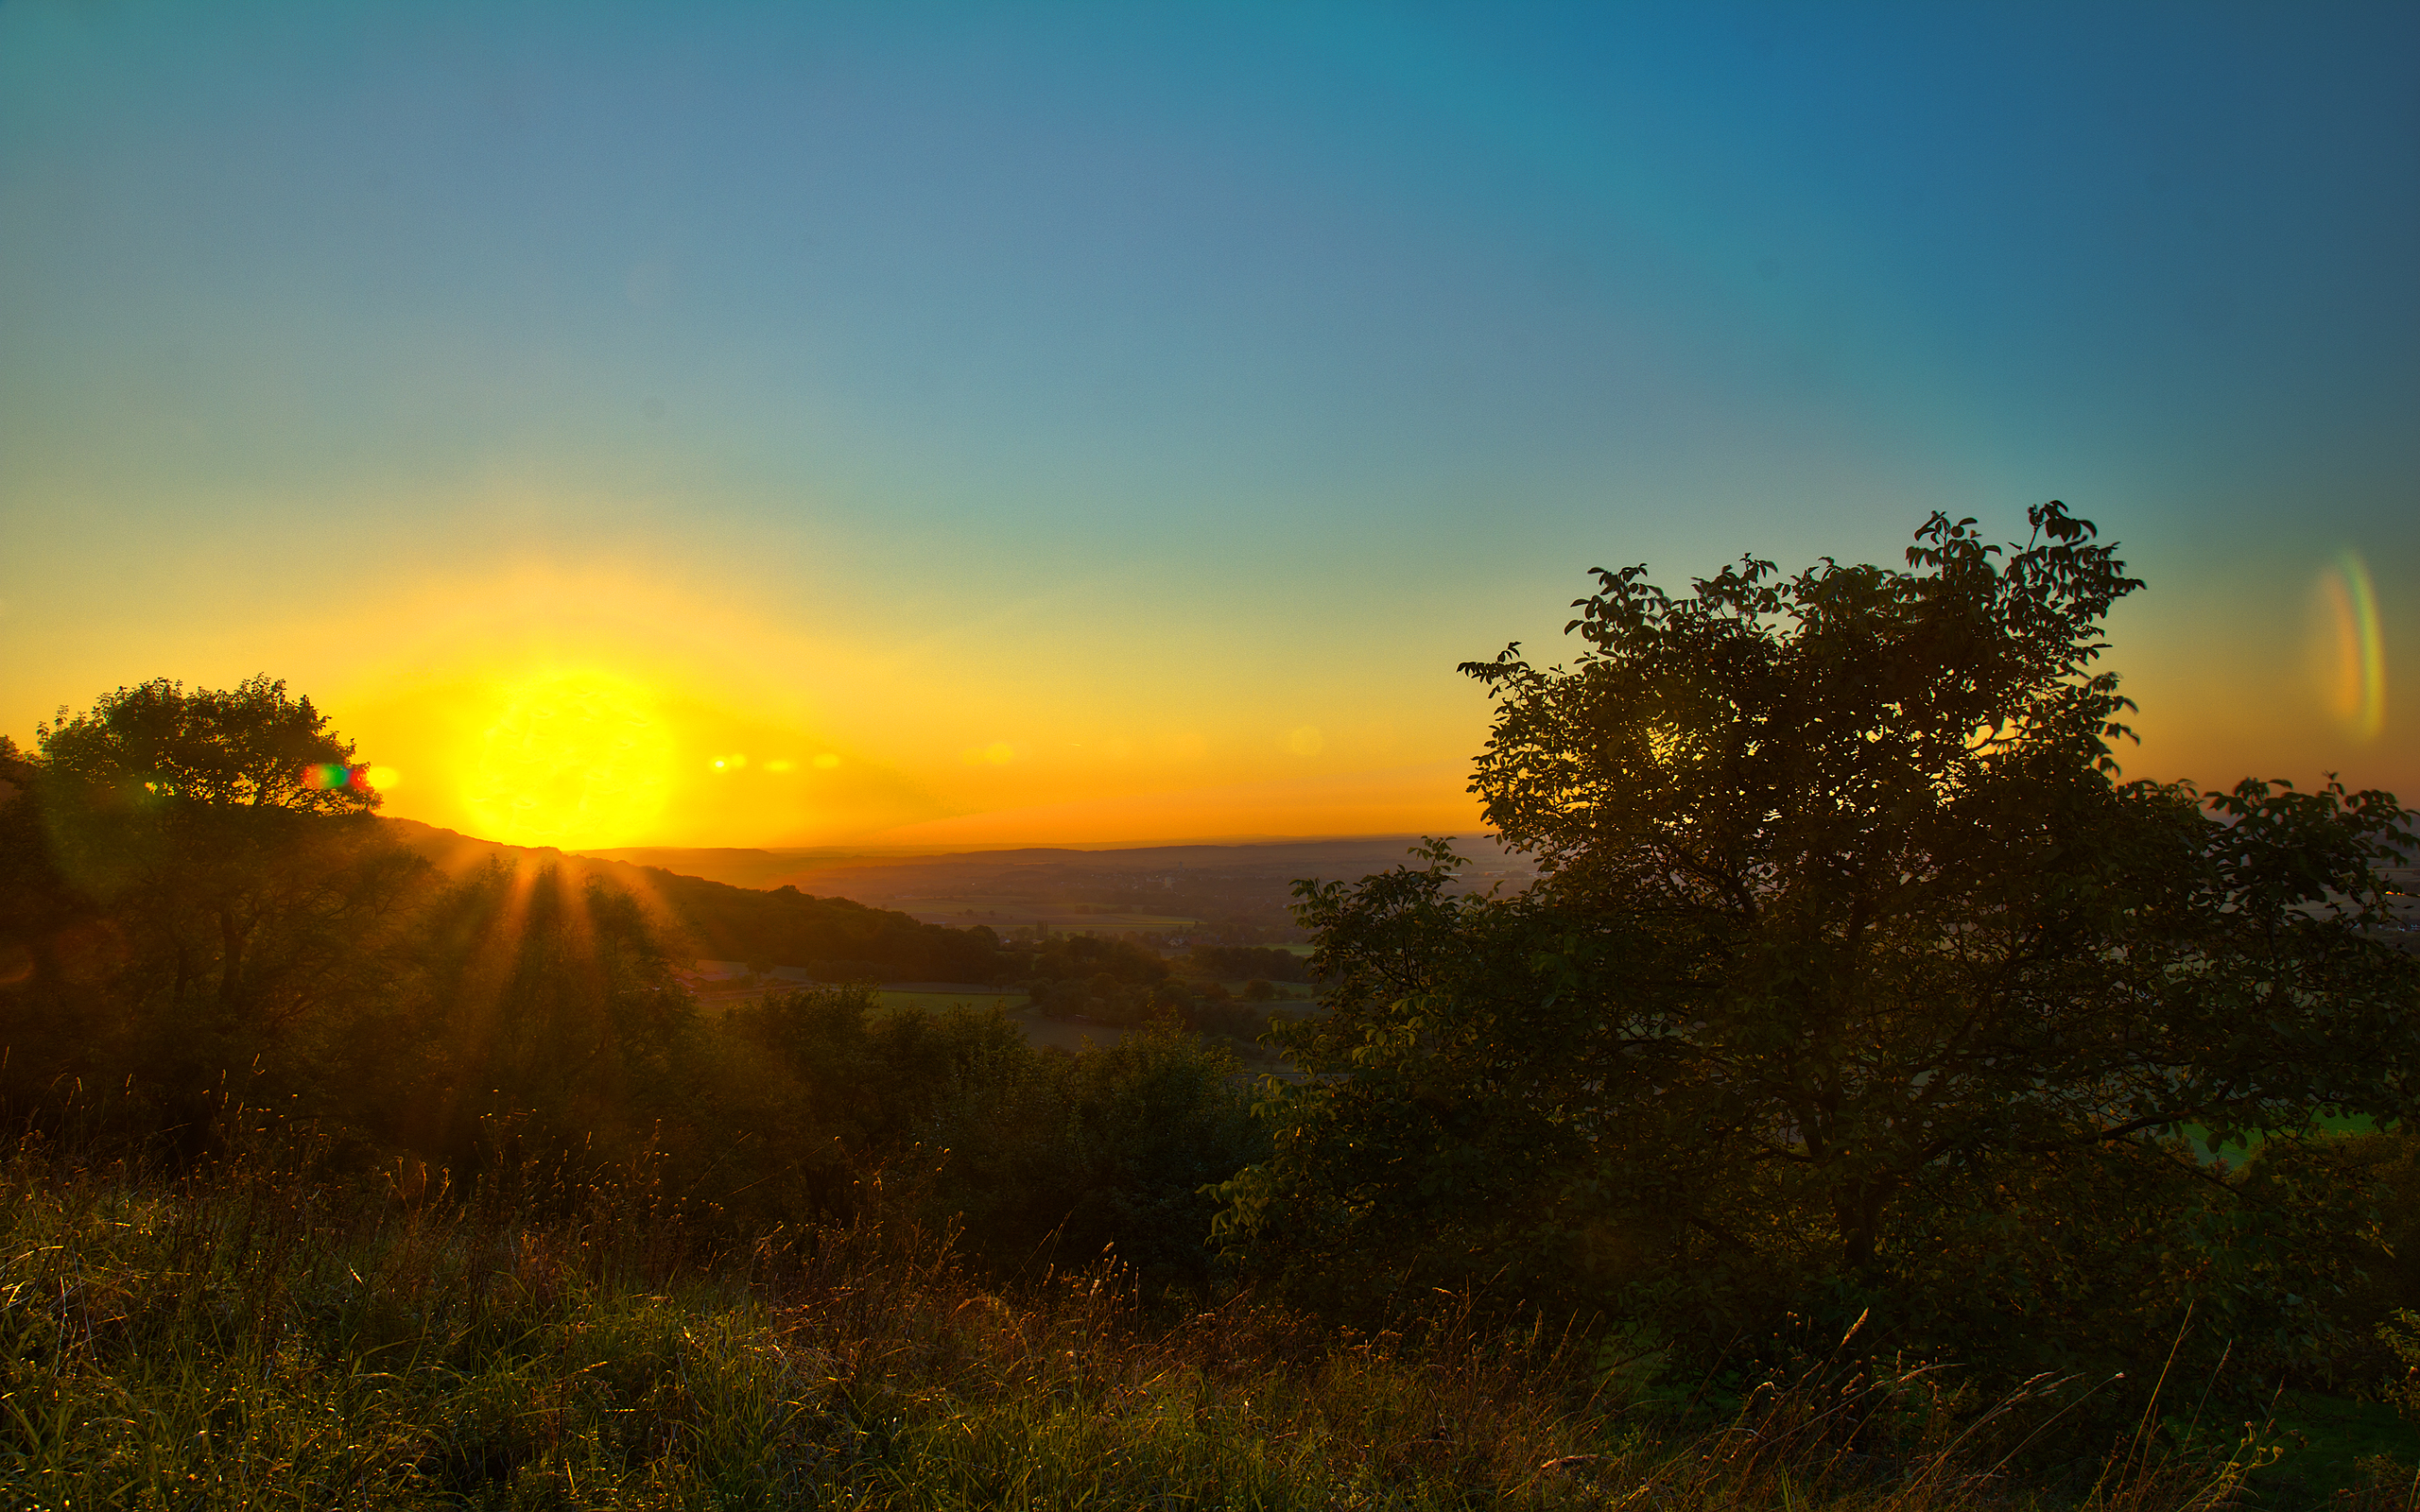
<point>618,706</point>
<point>600,709</point>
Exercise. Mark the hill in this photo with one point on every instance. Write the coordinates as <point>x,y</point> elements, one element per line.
<point>835,938</point>
<point>1236,894</point>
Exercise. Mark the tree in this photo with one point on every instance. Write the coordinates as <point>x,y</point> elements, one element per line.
<point>248,747</point>
<point>1854,970</point>
<point>224,838</point>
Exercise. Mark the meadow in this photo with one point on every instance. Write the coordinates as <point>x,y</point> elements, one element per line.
<point>274,1330</point>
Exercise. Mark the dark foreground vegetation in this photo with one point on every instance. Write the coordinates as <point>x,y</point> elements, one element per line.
<point>263,1331</point>
<point>1837,1122</point>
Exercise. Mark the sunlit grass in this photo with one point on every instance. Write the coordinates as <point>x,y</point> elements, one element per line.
<point>254,1339</point>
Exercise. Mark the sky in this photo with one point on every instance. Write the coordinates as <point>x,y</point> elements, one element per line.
<point>938,425</point>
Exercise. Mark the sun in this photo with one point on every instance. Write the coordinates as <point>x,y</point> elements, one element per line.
<point>572,760</point>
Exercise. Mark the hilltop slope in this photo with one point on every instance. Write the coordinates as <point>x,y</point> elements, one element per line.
<point>833,938</point>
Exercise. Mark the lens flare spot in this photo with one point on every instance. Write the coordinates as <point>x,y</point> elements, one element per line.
<point>1306,741</point>
<point>383,778</point>
<point>335,776</point>
<point>2346,651</point>
<point>781,764</point>
<point>572,758</point>
<point>998,753</point>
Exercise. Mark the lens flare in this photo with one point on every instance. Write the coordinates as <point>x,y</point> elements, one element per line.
<point>2348,653</point>
<point>332,776</point>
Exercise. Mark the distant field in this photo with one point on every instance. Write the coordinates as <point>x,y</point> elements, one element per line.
<point>1005,914</point>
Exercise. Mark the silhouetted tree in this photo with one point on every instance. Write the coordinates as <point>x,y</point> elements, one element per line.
<point>221,845</point>
<point>1855,972</point>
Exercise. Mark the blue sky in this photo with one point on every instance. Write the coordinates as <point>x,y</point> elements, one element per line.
<point>905,383</point>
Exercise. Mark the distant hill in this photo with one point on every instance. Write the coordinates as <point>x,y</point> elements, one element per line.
<point>1239,893</point>
<point>773,867</point>
<point>835,938</point>
<point>846,914</point>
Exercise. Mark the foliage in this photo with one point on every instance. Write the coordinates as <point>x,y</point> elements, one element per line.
<point>200,888</point>
<point>1236,963</point>
<point>1856,978</point>
<point>256,1334</point>
<point>1037,1156</point>
<point>157,747</point>
<point>2363,1187</point>
<point>2401,1333</point>
<point>528,993</point>
<point>210,917</point>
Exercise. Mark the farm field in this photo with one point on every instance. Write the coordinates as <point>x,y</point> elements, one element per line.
<point>906,1000</point>
<point>1005,914</point>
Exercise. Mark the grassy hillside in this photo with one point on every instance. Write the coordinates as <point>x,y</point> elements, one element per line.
<point>272,1331</point>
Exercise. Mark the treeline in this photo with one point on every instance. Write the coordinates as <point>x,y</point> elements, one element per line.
<point>200,917</point>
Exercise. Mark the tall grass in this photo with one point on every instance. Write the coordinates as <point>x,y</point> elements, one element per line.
<point>264,1335</point>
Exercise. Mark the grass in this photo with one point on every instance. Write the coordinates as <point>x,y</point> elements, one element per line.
<point>262,1337</point>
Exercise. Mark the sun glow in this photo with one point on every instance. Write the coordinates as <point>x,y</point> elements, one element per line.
<point>572,758</point>
<point>613,707</point>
